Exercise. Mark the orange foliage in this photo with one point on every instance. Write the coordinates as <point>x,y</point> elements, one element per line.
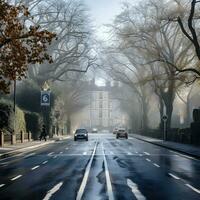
<point>19,45</point>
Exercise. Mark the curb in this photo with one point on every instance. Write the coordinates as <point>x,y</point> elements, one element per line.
<point>171,148</point>
<point>16,151</point>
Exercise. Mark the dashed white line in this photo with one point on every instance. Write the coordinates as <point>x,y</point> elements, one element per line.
<point>66,148</point>
<point>135,190</point>
<point>84,153</point>
<point>45,162</point>
<point>193,188</point>
<point>55,156</point>
<point>111,153</point>
<point>148,154</point>
<point>156,165</point>
<point>174,176</point>
<point>148,160</point>
<point>16,177</point>
<point>129,153</point>
<point>49,154</point>
<point>136,152</point>
<point>52,191</point>
<point>61,152</point>
<point>2,185</point>
<point>33,168</point>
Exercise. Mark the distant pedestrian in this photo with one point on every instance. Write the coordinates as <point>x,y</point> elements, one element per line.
<point>43,133</point>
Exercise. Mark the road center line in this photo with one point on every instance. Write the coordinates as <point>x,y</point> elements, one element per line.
<point>52,191</point>
<point>33,168</point>
<point>16,177</point>
<point>2,185</point>
<point>49,154</point>
<point>174,176</point>
<point>193,188</point>
<point>148,154</point>
<point>86,175</point>
<point>108,182</point>
<point>148,160</point>
<point>45,162</point>
<point>135,190</point>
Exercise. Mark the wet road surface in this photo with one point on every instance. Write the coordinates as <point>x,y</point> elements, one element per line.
<point>104,168</point>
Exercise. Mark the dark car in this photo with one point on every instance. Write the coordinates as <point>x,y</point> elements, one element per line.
<point>122,133</point>
<point>81,134</point>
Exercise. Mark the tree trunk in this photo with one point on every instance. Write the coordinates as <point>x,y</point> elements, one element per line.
<point>68,125</point>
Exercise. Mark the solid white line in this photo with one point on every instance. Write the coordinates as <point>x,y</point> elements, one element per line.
<point>86,175</point>
<point>16,177</point>
<point>193,188</point>
<point>175,177</point>
<point>148,154</point>
<point>53,191</point>
<point>135,190</point>
<point>148,160</point>
<point>84,153</point>
<point>156,165</point>
<point>45,162</point>
<point>2,185</point>
<point>49,154</point>
<point>31,154</point>
<point>108,181</point>
<point>33,168</point>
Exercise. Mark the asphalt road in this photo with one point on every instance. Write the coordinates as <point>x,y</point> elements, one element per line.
<point>100,169</point>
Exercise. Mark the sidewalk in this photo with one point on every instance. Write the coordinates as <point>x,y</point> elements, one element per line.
<point>9,150</point>
<point>187,149</point>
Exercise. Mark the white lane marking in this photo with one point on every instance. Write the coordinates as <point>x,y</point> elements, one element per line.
<point>55,156</point>
<point>148,154</point>
<point>140,155</point>
<point>66,148</point>
<point>2,185</point>
<point>135,190</point>
<point>37,166</point>
<point>61,152</point>
<point>111,153</point>
<point>183,155</point>
<point>174,176</point>
<point>193,188</point>
<point>108,181</point>
<point>31,154</point>
<point>156,165</point>
<point>84,153</point>
<point>45,162</point>
<point>16,177</point>
<point>53,191</point>
<point>136,152</point>
<point>129,153</point>
<point>148,160</point>
<point>49,154</point>
<point>86,175</point>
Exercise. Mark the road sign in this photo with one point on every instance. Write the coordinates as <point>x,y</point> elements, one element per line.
<point>164,117</point>
<point>45,98</point>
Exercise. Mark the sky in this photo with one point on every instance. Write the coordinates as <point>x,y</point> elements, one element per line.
<point>103,12</point>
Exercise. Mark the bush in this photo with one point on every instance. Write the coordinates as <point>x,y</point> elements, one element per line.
<point>7,117</point>
<point>33,124</point>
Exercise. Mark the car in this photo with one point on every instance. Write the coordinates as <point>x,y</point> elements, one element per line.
<point>94,130</point>
<point>121,133</point>
<point>115,130</point>
<point>81,134</point>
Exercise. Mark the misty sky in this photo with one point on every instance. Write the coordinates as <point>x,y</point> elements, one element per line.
<point>103,12</point>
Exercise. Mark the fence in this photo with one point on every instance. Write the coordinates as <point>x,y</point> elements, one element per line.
<point>7,138</point>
